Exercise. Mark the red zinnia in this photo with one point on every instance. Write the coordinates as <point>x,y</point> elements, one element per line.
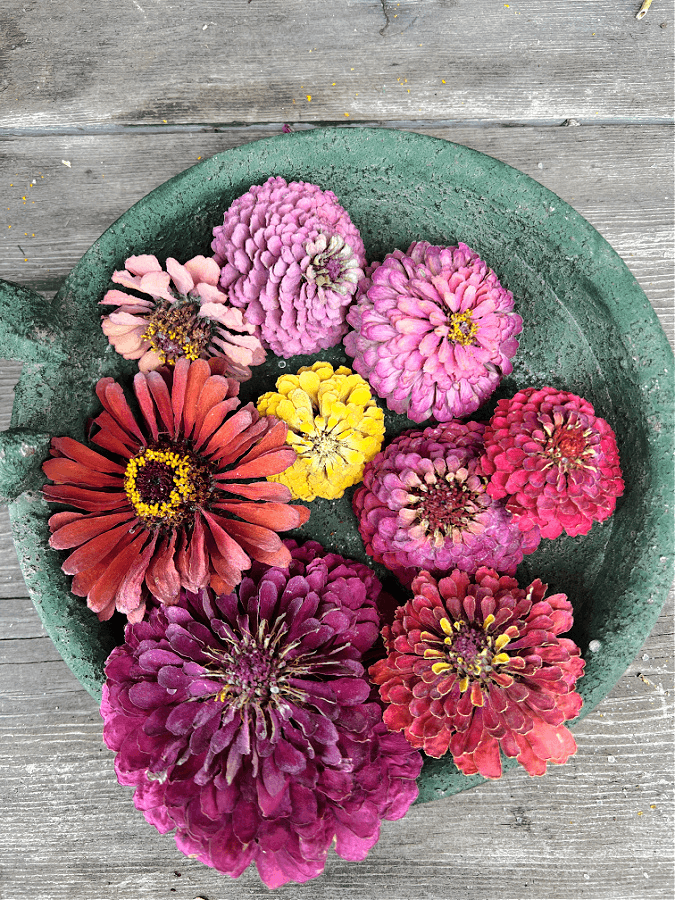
<point>555,461</point>
<point>180,499</point>
<point>475,664</point>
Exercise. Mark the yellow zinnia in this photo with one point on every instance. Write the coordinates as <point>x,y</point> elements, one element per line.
<point>334,426</point>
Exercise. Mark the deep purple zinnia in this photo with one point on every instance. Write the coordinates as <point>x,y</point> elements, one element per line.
<point>292,259</point>
<point>423,504</point>
<point>434,332</point>
<point>245,722</point>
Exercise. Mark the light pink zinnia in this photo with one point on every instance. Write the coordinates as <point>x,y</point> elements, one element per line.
<point>434,331</point>
<point>178,312</point>
<point>476,665</point>
<point>292,258</point>
<point>553,461</point>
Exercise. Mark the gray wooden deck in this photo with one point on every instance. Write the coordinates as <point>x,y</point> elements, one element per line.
<point>100,103</point>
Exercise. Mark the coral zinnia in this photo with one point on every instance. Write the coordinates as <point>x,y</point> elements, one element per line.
<point>180,312</point>
<point>423,504</point>
<point>292,258</point>
<point>178,500</point>
<point>554,460</point>
<point>334,426</point>
<point>476,664</point>
<point>434,331</point>
<point>245,722</point>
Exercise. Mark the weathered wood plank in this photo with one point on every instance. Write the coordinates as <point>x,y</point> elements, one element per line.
<point>127,63</point>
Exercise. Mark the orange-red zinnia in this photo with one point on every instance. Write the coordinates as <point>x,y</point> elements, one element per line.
<point>179,497</point>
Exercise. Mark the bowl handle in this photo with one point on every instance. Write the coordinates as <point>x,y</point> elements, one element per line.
<point>22,452</point>
<point>27,326</point>
<point>27,333</point>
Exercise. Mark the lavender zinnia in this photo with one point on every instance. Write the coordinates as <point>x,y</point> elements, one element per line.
<point>424,504</point>
<point>434,331</point>
<point>245,722</point>
<point>292,259</point>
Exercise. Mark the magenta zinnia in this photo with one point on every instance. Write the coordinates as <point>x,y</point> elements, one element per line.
<point>179,498</point>
<point>292,259</point>
<point>424,504</point>
<point>477,664</point>
<point>175,313</point>
<point>245,722</point>
<point>434,332</point>
<point>553,460</point>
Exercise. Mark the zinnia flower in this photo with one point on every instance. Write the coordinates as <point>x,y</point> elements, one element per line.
<point>334,426</point>
<point>555,461</point>
<point>292,259</point>
<point>178,499</point>
<point>434,331</point>
<point>475,665</point>
<point>423,504</point>
<point>180,312</point>
<point>245,721</point>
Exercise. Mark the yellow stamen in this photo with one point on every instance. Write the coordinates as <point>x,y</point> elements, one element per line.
<point>440,667</point>
<point>446,625</point>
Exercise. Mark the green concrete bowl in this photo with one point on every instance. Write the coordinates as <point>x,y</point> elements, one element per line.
<point>588,329</point>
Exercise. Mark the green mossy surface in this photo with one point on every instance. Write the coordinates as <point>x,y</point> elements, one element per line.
<point>588,328</point>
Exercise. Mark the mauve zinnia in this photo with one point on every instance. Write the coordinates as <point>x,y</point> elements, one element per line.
<point>476,664</point>
<point>179,499</point>
<point>292,259</point>
<point>245,722</point>
<point>424,504</point>
<point>175,313</point>
<point>434,331</point>
<point>553,461</point>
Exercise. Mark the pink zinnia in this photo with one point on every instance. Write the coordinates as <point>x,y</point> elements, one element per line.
<point>246,722</point>
<point>553,461</point>
<point>177,499</point>
<point>476,665</point>
<point>434,332</point>
<point>178,313</point>
<point>292,259</point>
<point>423,504</point>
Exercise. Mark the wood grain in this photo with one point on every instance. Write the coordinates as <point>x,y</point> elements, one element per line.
<point>130,62</point>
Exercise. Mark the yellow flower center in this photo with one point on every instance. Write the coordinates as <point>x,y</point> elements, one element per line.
<point>163,485</point>
<point>176,330</point>
<point>461,328</point>
<point>469,651</point>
